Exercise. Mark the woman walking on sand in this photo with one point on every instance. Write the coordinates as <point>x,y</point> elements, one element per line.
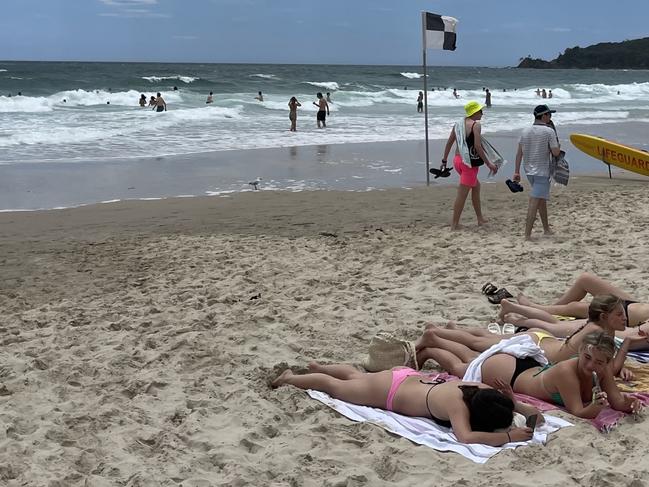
<point>469,156</point>
<point>292,114</point>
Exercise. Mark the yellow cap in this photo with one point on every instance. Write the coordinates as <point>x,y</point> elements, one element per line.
<point>472,108</point>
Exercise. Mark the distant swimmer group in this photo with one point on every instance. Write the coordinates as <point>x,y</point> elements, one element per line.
<point>543,93</point>
<point>158,104</point>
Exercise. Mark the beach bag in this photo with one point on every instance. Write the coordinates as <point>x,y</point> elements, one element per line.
<point>387,351</point>
<point>559,169</point>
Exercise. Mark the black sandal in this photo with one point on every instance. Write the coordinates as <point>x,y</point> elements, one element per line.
<point>489,289</point>
<point>499,295</point>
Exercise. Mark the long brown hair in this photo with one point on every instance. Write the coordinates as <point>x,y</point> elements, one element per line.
<point>602,303</point>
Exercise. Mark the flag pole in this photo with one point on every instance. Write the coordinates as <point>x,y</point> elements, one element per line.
<point>423,45</point>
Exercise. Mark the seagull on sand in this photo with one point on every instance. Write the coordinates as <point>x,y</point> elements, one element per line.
<point>255,183</point>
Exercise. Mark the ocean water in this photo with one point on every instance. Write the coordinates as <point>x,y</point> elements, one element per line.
<point>370,104</point>
<point>76,134</point>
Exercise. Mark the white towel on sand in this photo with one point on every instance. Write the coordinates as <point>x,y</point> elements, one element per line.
<point>519,346</point>
<point>425,432</point>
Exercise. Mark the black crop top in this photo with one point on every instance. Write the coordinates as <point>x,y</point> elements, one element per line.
<point>476,160</point>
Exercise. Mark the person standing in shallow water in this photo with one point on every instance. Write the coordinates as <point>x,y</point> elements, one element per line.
<point>420,102</point>
<point>292,114</point>
<point>160,104</point>
<point>468,170</point>
<point>487,99</point>
<point>142,101</point>
<point>323,111</point>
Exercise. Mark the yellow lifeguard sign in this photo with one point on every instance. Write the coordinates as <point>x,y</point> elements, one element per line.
<point>610,152</point>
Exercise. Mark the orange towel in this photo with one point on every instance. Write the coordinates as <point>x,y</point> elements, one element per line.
<point>640,382</point>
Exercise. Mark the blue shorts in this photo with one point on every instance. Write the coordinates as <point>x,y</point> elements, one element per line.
<point>540,187</point>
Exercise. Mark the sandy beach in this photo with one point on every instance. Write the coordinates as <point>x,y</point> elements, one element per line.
<point>139,337</point>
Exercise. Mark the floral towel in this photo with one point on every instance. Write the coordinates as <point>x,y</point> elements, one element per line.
<point>604,422</point>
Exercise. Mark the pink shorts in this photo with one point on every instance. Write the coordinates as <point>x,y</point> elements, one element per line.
<point>468,175</point>
<point>398,376</point>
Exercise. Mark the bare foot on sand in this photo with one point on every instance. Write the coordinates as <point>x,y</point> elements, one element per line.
<point>314,367</point>
<point>451,325</point>
<point>430,324</point>
<point>505,307</point>
<point>482,221</point>
<point>524,300</point>
<point>282,378</point>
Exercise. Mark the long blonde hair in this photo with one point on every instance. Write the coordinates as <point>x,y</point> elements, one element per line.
<point>601,341</point>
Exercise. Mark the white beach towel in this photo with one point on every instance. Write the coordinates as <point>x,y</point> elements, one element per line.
<point>462,147</point>
<point>425,432</point>
<point>519,346</point>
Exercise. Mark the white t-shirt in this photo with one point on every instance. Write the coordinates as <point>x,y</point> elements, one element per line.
<point>537,141</point>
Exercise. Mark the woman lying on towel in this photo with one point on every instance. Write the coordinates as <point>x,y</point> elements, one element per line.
<point>571,304</point>
<point>529,317</point>
<point>584,384</point>
<point>605,314</point>
<point>473,410</point>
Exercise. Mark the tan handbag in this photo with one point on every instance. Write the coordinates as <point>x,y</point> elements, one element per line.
<point>387,351</point>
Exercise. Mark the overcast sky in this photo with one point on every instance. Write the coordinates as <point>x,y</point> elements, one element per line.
<point>495,33</point>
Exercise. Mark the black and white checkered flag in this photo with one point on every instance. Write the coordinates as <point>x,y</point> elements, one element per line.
<point>439,31</point>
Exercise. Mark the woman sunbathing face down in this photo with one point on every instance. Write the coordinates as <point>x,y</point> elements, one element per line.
<point>473,410</point>
<point>571,383</point>
<point>585,385</point>
<point>605,314</point>
<point>571,304</point>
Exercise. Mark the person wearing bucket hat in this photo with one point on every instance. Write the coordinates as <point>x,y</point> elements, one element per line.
<point>467,136</point>
<point>537,145</point>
